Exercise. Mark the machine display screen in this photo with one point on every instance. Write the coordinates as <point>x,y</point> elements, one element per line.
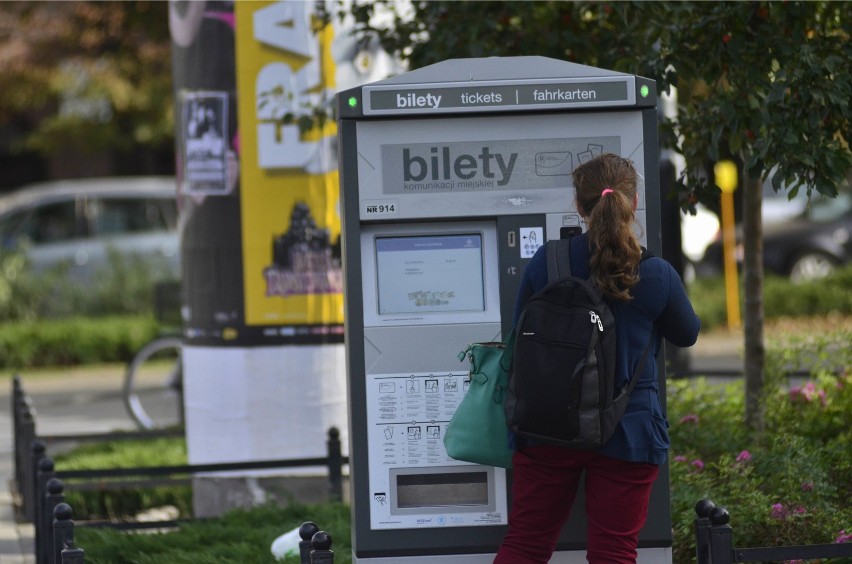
<point>430,274</point>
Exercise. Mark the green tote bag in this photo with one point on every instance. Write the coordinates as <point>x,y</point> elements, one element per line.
<point>477,431</point>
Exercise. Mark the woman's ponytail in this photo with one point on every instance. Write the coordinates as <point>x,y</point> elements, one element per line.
<point>606,194</point>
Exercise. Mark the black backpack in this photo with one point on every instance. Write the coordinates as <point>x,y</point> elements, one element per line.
<point>562,381</point>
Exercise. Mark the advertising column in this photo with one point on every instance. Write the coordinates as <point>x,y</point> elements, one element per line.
<point>264,359</point>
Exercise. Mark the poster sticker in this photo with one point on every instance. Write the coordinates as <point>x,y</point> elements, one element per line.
<point>205,119</point>
<point>304,258</point>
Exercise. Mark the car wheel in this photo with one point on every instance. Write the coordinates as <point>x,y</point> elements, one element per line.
<point>811,266</point>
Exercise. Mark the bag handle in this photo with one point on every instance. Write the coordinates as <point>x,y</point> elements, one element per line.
<point>508,344</point>
<point>509,351</point>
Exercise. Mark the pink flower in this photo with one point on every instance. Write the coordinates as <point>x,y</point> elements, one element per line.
<point>744,456</point>
<point>692,418</point>
<point>843,537</point>
<point>698,464</point>
<point>778,511</point>
<point>807,393</point>
<point>680,458</point>
<point>809,390</point>
<point>807,486</point>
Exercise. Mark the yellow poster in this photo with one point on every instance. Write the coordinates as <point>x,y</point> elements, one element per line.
<point>289,193</point>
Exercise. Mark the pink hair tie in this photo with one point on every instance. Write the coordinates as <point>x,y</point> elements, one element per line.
<point>606,191</point>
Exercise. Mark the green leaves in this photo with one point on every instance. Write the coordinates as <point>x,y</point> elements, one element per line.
<point>790,485</point>
<point>92,75</point>
<point>764,82</point>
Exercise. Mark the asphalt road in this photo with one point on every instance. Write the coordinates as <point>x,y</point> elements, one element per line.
<point>78,400</point>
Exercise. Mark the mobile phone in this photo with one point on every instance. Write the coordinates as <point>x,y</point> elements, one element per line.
<point>569,231</point>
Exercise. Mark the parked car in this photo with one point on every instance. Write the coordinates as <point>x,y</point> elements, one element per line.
<point>806,247</point>
<point>700,230</point>
<point>80,221</point>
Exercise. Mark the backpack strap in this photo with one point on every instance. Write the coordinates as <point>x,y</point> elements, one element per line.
<point>558,259</point>
<point>641,366</point>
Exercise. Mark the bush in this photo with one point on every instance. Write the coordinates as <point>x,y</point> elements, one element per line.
<point>781,298</point>
<point>125,286</point>
<point>126,502</point>
<point>789,485</point>
<point>25,295</point>
<point>832,294</point>
<point>74,341</point>
<point>47,321</point>
<point>240,536</point>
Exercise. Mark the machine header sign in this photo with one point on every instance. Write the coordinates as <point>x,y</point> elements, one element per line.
<point>490,96</point>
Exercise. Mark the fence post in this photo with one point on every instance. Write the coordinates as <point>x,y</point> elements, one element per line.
<point>72,554</point>
<point>702,531</point>
<point>17,398</point>
<point>306,531</point>
<point>37,453</point>
<point>321,545</point>
<point>63,531</point>
<point>32,450</point>
<point>43,518</point>
<point>335,465</point>
<point>23,433</point>
<point>721,542</point>
<point>54,496</point>
<point>16,390</point>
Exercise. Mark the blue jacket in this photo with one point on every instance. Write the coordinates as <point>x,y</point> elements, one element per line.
<point>660,299</point>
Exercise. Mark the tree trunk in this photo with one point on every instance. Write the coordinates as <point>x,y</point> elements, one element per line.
<point>753,299</point>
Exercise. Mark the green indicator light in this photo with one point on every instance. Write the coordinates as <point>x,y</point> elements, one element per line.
<point>644,91</point>
<point>353,101</point>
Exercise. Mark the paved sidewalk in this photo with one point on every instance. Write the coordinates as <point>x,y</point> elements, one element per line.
<point>16,539</point>
<point>718,344</point>
<point>17,543</point>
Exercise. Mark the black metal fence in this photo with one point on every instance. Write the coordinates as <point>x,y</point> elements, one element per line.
<point>39,488</point>
<point>315,546</point>
<point>55,532</point>
<point>715,544</point>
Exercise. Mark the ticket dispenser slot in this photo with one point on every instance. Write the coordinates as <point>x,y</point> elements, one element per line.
<point>437,491</point>
<point>443,204</point>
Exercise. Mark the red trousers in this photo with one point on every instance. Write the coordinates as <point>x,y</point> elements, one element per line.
<point>544,486</point>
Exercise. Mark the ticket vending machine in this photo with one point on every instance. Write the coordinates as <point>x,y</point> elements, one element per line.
<point>451,177</point>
